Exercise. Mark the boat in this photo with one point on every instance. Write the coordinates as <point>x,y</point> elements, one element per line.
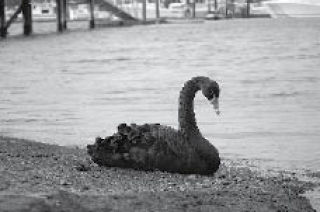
<point>259,10</point>
<point>79,11</point>
<point>293,8</point>
<point>44,10</point>
<point>214,15</point>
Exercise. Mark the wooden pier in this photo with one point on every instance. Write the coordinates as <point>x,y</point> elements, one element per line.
<point>248,8</point>
<point>25,8</point>
<point>27,16</point>
<point>3,30</point>
<point>61,10</point>
<point>92,22</point>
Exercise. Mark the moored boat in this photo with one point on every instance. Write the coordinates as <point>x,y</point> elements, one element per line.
<point>293,8</point>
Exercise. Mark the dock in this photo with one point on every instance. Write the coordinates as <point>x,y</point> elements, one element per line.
<point>25,9</point>
<point>121,9</point>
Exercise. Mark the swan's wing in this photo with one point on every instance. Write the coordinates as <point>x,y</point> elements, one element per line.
<point>137,145</point>
<point>147,147</point>
<point>170,137</point>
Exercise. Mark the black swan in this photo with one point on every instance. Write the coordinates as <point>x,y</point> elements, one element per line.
<point>157,147</point>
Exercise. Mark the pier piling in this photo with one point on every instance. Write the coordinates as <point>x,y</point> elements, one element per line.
<point>248,8</point>
<point>27,16</point>
<point>59,16</point>
<point>226,8</point>
<point>3,29</point>
<point>157,10</point>
<point>144,10</point>
<point>64,14</point>
<point>92,21</point>
<point>193,4</point>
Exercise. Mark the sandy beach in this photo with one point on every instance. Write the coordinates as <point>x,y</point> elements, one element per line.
<point>43,177</point>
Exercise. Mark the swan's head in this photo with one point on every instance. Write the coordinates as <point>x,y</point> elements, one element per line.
<point>211,91</point>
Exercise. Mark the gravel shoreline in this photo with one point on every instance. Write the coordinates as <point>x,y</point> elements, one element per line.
<point>43,177</point>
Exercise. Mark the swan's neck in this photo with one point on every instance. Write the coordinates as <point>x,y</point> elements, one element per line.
<point>187,121</point>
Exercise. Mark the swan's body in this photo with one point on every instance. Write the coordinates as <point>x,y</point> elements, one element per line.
<point>153,146</point>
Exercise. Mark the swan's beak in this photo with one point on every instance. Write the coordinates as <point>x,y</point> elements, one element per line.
<point>215,103</point>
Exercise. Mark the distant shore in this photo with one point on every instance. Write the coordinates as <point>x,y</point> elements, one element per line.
<point>37,177</point>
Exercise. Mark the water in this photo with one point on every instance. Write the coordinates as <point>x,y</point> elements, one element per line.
<point>70,88</point>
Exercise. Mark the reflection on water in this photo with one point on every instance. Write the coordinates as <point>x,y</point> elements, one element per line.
<point>69,88</point>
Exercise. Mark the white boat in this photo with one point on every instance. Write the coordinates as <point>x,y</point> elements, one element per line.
<point>44,9</point>
<point>258,9</point>
<point>293,8</point>
<point>79,11</point>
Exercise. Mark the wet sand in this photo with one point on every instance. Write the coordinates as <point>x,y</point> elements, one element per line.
<point>42,177</point>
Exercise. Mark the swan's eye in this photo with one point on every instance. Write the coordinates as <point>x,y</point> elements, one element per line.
<point>214,94</point>
<point>211,92</point>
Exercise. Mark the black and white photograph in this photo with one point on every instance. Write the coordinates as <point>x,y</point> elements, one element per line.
<point>159,105</point>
